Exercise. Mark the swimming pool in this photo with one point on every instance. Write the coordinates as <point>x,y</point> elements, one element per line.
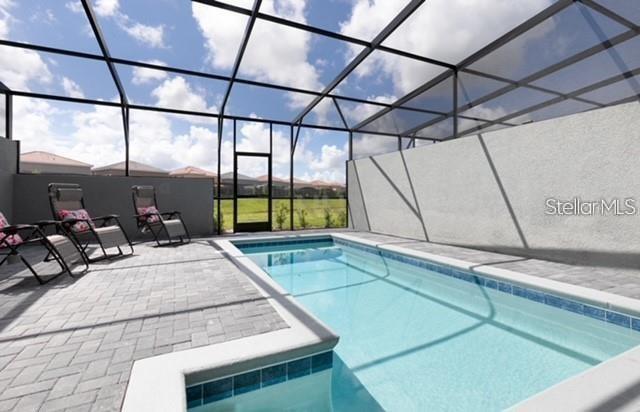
<point>419,340</point>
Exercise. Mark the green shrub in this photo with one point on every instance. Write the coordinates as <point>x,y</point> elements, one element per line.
<point>219,224</point>
<point>281,216</point>
<point>342,219</point>
<point>302,218</point>
<point>328,218</point>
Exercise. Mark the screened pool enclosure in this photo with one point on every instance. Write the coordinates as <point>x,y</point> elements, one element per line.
<point>269,99</point>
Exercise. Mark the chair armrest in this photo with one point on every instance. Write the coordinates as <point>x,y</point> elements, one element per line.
<point>74,220</point>
<point>14,229</point>
<point>175,212</point>
<point>147,215</point>
<point>44,223</point>
<point>105,217</point>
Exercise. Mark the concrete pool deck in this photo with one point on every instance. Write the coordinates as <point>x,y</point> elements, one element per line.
<point>71,344</point>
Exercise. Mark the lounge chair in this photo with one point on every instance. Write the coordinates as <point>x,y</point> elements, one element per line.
<point>59,248</point>
<point>67,205</point>
<point>150,219</point>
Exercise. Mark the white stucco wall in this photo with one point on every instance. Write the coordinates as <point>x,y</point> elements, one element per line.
<point>489,191</point>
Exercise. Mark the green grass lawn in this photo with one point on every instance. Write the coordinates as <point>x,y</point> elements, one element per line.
<point>313,211</point>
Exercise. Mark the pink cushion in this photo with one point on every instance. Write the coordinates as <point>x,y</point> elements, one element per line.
<point>77,214</point>
<point>146,210</point>
<point>12,240</point>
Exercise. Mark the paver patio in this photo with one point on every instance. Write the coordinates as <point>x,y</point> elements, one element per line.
<point>71,344</point>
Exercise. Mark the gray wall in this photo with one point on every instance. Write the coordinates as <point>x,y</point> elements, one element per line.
<point>8,165</point>
<point>488,191</point>
<point>23,197</point>
<point>112,195</point>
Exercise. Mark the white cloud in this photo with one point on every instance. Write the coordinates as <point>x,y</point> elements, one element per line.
<point>275,53</point>
<point>71,88</point>
<point>5,17</point>
<point>152,36</point>
<point>326,164</point>
<point>142,75</point>
<point>74,6</point>
<point>106,8</point>
<point>153,142</point>
<point>96,136</point>
<point>177,93</point>
<point>365,145</point>
<point>447,30</point>
<point>330,157</point>
<point>357,112</point>
<point>4,28</point>
<point>20,67</point>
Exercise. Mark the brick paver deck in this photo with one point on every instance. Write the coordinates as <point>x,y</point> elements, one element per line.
<point>624,281</point>
<point>70,344</point>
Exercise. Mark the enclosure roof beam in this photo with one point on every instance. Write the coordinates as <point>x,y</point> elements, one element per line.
<point>527,25</point>
<point>344,121</point>
<point>607,44</point>
<point>194,73</point>
<point>400,18</point>
<point>95,27</point>
<point>243,46</point>
<point>323,32</point>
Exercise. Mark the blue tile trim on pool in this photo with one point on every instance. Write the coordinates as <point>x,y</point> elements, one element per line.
<point>549,299</point>
<point>208,392</point>
<point>285,242</point>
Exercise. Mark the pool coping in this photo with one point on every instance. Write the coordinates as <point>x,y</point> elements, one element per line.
<point>162,380</point>
<point>158,383</point>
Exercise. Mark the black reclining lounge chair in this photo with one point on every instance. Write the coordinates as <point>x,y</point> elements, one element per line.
<point>150,219</point>
<point>67,205</point>
<point>59,248</point>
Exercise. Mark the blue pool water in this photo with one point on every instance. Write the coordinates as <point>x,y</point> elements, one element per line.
<point>419,340</point>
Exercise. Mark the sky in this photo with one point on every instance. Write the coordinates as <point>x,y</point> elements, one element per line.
<point>203,38</point>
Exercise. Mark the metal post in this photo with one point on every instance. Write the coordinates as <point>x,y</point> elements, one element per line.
<point>125,121</point>
<point>8,116</point>
<point>291,179</point>
<point>270,188</point>
<point>235,180</point>
<point>455,103</point>
<point>218,183</point>
<point>346,175</point>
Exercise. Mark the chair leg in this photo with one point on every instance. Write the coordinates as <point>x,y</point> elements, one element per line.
<point>48,258</point>
<point>32,270</point>
<point>64,267</point>
<point>126,237</point>
<point>186,231</point>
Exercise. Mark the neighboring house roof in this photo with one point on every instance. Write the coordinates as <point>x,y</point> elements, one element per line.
<point>320,183</point>
<point>133,167</point>
<point>192,171</point>
<point>323,183</point>
<point>51,159</point>
<point>229,177</point>
<point>265,178</point>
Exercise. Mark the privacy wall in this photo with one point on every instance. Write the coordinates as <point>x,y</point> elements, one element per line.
<point>565,189</point>
<point>23,197</point>
<point>112,195</point>
<point>8,166</point>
